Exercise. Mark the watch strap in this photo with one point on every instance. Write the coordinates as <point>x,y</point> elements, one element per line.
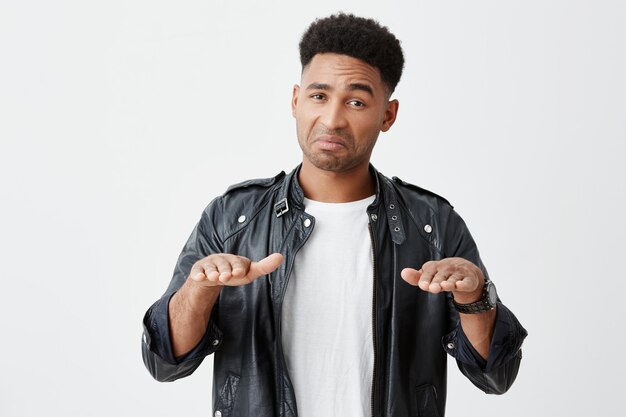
<point>476,307</point>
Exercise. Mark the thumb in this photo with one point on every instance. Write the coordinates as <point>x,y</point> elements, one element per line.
<point>410,275</point>
<point>265,266</point>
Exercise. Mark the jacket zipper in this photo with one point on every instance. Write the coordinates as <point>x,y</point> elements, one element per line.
<point>283,363</point>
<point>369,224</point>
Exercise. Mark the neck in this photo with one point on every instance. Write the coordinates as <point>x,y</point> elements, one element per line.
<point>336,187</point>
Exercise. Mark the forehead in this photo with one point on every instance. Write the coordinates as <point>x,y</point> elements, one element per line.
<point>336,69</point>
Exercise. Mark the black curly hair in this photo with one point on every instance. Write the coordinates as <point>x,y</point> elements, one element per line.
<point>358,37</point>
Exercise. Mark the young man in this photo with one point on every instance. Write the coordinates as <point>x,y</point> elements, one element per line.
<point>334,290</point>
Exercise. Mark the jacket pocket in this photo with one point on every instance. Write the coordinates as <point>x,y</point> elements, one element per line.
<point>227,395</point>
<point>426,401</point>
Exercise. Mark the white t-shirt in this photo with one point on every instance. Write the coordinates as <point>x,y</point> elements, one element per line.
<point>327,313</point>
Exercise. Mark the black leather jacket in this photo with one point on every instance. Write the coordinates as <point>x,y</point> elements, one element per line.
<point>413,329</point>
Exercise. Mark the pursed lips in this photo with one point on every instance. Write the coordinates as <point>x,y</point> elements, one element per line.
<point>330,142</point>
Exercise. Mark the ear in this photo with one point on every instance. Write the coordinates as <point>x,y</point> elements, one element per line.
<point>294,99</point>
<point>390,115</point>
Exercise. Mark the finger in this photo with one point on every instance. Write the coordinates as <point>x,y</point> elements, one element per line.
<point>197,273</point>
<point>264,266</point>
<point>410,275</point>
<point>211,272</point>
<point>435,284</point>
<point>431,266</point>
<point>224,268</point>
<point>440,277</point>
<point>450,283</point>
<point>467,284</point>
<point>240,266</point>
<point>429,269</point>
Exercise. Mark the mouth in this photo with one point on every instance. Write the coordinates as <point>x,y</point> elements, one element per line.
<point>330,142</point>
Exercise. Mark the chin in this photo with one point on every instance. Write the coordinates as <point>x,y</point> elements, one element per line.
<point>332,164</point>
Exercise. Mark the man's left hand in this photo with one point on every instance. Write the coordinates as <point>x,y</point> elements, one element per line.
<point>457,275</point>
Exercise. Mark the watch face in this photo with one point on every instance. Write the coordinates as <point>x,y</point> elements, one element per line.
<point>492,295</point>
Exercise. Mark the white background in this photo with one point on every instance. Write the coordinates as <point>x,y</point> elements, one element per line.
<point>121,120</point>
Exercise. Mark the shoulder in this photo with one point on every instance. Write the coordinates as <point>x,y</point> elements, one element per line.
<point>425,208</point>
<point>412,193</point>
<point>254,185</point>
<point>251,193</point>
<point>431,214</point>
<point>241,202</point>
<point>248,192</point>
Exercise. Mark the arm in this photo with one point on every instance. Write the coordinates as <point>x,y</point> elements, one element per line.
<point>179,330</point>
<point>158,354</point>
<point>178,334</point>
<point>496,374</point>
<point>465,281</point>
<point>190,308</point>
<point>189,315</point>
<point>487,346</point>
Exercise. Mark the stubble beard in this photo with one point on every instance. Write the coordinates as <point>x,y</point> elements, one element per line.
<point>328,160</point>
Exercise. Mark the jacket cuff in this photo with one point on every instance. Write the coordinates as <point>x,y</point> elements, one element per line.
<point>156,335</point>
<point>507,339</point>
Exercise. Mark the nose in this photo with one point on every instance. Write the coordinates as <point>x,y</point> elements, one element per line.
<point>333,115</point>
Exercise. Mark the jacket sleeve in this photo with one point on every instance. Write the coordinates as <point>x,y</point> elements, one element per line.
<point>156,345</point>
<point>496,374</point>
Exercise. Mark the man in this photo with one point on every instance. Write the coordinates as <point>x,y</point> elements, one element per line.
<point>334,290</point>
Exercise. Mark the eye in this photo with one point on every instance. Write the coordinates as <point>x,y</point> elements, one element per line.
<point>317,97</point>
<point>356,103</point>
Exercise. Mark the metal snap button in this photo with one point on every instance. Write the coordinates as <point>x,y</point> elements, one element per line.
<point>450,345</point>
<point>307,222</point>
<point>397,229</point>
<point>391,206</point>
<point>218,413</point>
<point>394,217</point>
<point>374,217</point>
<point>428,228</point>
<point>241,219</point>
<point>216,342</point>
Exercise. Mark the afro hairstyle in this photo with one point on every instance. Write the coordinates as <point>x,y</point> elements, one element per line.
<point>358,37</point>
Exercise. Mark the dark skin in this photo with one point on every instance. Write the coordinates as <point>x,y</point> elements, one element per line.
<point>340,110</point>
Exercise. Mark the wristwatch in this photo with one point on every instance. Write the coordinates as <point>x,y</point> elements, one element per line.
<point>487,302</point>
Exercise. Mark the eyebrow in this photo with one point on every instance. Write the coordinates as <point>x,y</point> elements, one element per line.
<point>362,87</point>
<point>351,87</point>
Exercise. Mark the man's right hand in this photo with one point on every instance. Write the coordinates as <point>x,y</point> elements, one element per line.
<point>232,270</point>
<point>190,308</point>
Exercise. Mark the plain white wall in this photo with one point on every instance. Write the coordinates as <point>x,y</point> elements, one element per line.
<point>121,120</point>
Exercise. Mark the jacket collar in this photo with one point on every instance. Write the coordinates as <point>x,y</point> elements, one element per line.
<point>292,191</point>
<point>385,204</point>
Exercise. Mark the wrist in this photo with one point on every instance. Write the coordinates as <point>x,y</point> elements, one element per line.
<point>487,301</point>
<point>469,297</point>
<point>198,297</point>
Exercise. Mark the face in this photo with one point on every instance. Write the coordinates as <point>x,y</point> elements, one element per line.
<point>340,108</point>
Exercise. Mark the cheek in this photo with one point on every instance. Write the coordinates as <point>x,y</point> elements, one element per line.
<point>369,126</point>
<point>305,118</point>
<point>302,128</point>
